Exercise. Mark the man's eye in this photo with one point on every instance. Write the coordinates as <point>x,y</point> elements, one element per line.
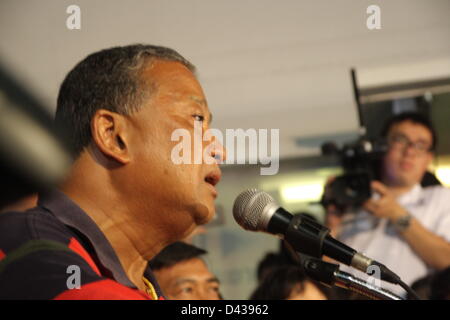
<point>421,146</point>
<point>400,138</point>
<point>187,290</point>
<point>198,117</point>
<point>215,289</point>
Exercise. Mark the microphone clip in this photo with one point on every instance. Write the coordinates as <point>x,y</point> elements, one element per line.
<point>306,235</point>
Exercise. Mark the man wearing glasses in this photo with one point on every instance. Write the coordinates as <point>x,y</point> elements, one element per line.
<point>404,225</point>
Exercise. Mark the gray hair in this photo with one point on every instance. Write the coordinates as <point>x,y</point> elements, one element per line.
<point>108,79</point>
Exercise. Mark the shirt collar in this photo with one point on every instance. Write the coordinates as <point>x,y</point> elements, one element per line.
<point>412,196</point>
<point>68,212</point>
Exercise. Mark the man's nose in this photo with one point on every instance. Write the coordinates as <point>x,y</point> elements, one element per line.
<point>410,150</point>
<point>218,151</point>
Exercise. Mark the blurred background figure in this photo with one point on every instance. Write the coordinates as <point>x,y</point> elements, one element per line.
<point>403,224</point>
<point>440,285</point>
<point>435,286</point>
<point>183,275</point>
<point>280,274</point>
<point>288,282</point>
<point>33,153</point>
<point>23,204</point>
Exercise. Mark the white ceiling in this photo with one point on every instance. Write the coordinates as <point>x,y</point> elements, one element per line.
<point>263,63</point>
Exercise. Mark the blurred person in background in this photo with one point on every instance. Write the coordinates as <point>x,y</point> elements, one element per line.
<point>404,225</point>
<point>287,257</point>
<point>435,286</point>
<point>23,204</point>
<point>422,287</point>
<point>183,275</point>
<point>288,282</point>
<point>440,285</point>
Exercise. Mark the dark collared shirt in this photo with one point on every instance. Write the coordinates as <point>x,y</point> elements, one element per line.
<point>56,251</point>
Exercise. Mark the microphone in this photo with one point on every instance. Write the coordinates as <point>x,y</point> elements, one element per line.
<point>256,210</point>
<point>330,275</point>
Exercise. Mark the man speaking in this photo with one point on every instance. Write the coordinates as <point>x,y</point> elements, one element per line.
<point>124,198</point>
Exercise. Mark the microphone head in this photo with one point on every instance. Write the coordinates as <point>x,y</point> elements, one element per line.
<point>253,209</point>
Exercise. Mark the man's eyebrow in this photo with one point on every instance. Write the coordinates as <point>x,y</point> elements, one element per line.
<point>422,140</point>
<point>198,100</point>
<point>183,280</point>
<point>213,280</point>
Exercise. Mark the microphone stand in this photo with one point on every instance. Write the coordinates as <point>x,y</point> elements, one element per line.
<point>330,275</point>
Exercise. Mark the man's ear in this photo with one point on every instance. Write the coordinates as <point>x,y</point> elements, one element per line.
<point>109,134</point>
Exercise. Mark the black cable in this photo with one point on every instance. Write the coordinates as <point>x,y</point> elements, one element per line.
<point>408,289</point>
<point>392,277</point>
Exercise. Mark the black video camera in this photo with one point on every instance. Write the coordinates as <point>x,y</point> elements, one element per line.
<point>361,162</point>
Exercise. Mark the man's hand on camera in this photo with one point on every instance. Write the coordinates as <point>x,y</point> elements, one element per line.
<point>386,206</point>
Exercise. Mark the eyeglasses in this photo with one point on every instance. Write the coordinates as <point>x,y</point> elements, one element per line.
<point>402,142</point>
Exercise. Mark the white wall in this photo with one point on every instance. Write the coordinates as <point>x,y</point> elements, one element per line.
<point>263,63</point>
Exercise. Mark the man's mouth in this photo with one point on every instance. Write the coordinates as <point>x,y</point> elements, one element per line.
<point>213,178</point>
<point>406,165</point>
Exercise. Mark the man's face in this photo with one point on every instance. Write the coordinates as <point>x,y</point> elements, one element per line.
<point>409,154</point>
<point>188,280</point>
<point>183,194</point>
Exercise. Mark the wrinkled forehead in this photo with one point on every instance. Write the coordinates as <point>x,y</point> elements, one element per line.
<point>171,77</point>
<point>173,84</point>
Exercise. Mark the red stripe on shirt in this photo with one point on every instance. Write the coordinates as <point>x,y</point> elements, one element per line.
<point>102,290</point>
<point>2,254</point>
<point>78,248</point>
